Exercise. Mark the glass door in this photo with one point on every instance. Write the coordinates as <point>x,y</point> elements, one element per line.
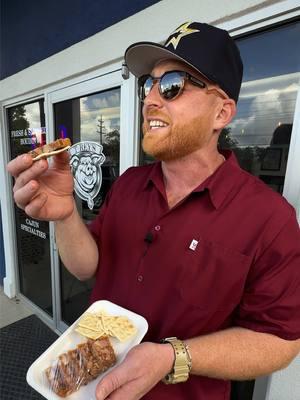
<point>26,127</point>
<point>91,118</point>
<point>98,111</point>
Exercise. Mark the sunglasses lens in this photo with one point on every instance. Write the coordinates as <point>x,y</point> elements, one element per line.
<point>171,85</point>
<point>144,86</point>
<point>147,86</point>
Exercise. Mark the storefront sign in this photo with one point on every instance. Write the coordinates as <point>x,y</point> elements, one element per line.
<point>86,159</point>
<point>32,227</point>
<point>29,136</point>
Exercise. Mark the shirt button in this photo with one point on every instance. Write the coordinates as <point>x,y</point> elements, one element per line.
<point>157,228</point>
<point>140,278</point>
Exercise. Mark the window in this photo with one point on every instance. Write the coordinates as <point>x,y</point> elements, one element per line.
<point>260,133</point>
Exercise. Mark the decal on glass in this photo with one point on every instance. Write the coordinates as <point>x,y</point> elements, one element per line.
<point>86,159</point>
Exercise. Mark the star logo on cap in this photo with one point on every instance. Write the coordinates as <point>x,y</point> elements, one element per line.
<point>180,32</point>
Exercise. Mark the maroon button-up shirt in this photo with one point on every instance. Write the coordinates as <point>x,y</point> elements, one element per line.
<point>227,255</point>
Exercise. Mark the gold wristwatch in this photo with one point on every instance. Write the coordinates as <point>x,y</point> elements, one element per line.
<point>182,364</point>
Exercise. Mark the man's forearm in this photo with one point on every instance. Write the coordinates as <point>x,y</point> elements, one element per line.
<point>76,246</point>
<point>240,354</point>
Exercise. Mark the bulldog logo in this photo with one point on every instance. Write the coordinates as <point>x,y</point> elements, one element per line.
<point>86,159</point>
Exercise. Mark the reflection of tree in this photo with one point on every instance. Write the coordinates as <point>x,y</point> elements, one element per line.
<point>260,153</point>
<point>226,141</point>
<point>245,155</point>
<point>17,121</point>
<point>111,146</point>
<point>18,118</point>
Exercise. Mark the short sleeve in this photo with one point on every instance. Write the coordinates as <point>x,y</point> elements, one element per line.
<point>271,300</point>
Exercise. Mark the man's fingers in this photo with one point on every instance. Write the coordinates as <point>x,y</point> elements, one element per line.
<point>26,193</point>
<point>107,386</point>
<point>34,207</point>
<point>19,164</point>
<point>111,382</point>
<point>32,173</point>
<point>127,392</point>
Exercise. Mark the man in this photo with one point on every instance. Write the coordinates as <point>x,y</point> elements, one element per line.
<point>206,252</point>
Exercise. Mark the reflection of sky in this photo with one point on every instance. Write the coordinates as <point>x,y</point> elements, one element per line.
<point>33,115</point>
<point>264,105</point>
<point>270,84</point>
<point>272,53</point>
<point>103,106</point>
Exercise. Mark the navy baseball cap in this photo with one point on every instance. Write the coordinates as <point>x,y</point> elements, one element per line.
<point>207,49</point>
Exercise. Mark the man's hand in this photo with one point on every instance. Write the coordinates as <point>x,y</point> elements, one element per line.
<point>43,190</point>
<point>144,366</point>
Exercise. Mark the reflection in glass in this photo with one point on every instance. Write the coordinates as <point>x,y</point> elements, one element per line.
<point>90,118</point>
<point>261,130</point>
<point>26,126</point>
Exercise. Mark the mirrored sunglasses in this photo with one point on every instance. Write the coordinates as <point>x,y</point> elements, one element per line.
<point>170,84</point>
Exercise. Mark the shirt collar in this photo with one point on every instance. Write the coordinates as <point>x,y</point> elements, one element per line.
<point>219,185</point>
<point>155,177</point>
<point>224,181</point>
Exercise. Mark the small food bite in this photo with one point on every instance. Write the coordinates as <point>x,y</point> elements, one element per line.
<point>50,149</point>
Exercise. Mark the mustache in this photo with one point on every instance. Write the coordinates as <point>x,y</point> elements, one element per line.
<point>155,115</point>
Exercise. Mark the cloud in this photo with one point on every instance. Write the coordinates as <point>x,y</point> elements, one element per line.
<point>102,100</point>
<point>33,115</point>
<point>103,107</point>
<point>263,109</point>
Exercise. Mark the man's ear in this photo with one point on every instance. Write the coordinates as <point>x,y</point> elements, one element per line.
<point>224,113</point>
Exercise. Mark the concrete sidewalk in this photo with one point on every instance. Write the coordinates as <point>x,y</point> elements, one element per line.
<point>11,310</point>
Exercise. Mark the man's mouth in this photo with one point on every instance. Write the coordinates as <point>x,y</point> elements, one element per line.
<point>156,124</point>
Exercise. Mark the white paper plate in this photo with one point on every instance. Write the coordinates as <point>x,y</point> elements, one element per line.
<point>70,339</point>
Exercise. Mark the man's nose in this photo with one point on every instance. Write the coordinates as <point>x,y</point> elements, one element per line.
<point>154,98</point>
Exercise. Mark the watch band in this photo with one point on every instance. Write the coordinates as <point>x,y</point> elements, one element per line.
<point>182,364</point>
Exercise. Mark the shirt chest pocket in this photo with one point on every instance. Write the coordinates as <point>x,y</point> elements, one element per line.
<point>212,276</point>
